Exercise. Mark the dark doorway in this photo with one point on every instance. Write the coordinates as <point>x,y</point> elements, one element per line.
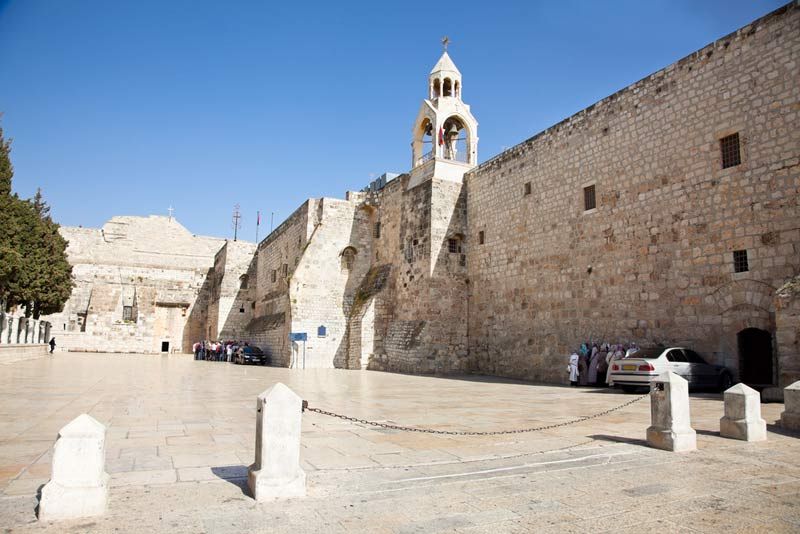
<point>165,346</point>
<point>755,356</point>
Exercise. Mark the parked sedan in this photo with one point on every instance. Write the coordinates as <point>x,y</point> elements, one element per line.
<point>250,354</point>
<point>644,365</point>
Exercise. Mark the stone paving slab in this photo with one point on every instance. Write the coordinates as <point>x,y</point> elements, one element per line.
<point>181,434</point>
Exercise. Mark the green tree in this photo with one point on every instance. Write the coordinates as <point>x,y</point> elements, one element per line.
<point>34,271</point>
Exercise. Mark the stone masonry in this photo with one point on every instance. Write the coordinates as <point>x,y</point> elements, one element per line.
<point>665,213</point>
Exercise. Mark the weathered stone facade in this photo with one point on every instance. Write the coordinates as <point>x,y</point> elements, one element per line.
<point>141,285</point>
<point>653,262</point>
<point>665,213</point>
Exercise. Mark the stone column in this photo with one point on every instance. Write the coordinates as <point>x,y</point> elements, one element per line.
<point>13,329</point>
<point>743,415</point>
<point>670,427</point>
<point>78,486</point>
<point>790,418</point>
<point>276,472</point>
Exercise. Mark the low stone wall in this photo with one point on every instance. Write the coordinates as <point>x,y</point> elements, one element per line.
<point>18,353</point>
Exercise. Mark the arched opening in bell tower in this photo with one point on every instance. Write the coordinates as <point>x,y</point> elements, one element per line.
<point>423,142</point>
<point>437,88</point>
<point>447,87</point>
<point>456,140</point>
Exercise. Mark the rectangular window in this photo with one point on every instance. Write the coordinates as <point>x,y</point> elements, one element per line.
<point>454,246</point>
<point>481,237</point>
<point>729,146</point>
<point>527,188</point>
<point>740,261</point>
<point>589,202</point>
<point>127,313</point>
<point>377,231</point>
<point>285,269</point>
<point>274,276</point>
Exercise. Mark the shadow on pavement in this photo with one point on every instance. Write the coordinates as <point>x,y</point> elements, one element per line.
<point>619,439</point>
<point>235,474</point>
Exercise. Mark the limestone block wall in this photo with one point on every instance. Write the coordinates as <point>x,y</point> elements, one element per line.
<point>232,304</point>
<point>150,264</point>
<point>323,287</point>
<point>417,317</point>
<point>276,258</point>
<point>787,323</point>
<point>653,262</point>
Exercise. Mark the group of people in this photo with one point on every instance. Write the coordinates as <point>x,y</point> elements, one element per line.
<point>216,351</point>
<point>591,364</point>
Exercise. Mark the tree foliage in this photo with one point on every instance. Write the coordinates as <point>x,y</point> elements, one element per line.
<point>34,271</point>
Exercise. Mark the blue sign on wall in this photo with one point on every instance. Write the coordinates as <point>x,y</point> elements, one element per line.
<point>298,336</point>
<point>322,331</point>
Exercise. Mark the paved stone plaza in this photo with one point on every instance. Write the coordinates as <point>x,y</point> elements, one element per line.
<point>181,434</point>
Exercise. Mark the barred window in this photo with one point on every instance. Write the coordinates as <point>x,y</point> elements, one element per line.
<point>589,201</point>
<point>527,188</point>
<point>481,237</point>
<point>376,233</point>
<point>285,269</point>
<point>274,275</point>
<point>729,146</point>
<point>454,245</point>
<point>740,261</point>
<point>127,313</point>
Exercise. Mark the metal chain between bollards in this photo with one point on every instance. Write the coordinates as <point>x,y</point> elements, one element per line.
<point>467,432</point>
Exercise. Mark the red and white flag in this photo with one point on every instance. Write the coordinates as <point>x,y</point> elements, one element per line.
<point>441,135</point>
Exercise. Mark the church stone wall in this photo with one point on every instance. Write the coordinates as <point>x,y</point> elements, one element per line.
<point>653,263</point>
<point>123,264</point>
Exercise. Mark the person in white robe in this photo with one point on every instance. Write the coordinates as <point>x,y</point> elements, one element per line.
<point>573,369</point>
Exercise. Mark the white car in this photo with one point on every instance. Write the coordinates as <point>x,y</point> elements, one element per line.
<point>644,365</point>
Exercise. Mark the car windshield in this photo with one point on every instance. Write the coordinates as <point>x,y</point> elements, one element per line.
<point>648,354</point>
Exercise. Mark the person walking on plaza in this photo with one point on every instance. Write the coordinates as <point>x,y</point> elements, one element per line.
<point>52,344</point>
<point>572,368</point>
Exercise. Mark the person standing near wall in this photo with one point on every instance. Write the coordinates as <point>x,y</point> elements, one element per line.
<point>52,344</point>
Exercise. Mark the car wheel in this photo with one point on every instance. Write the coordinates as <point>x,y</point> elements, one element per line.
<point>725,382</point>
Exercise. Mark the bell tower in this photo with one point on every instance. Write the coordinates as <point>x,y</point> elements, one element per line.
<point>445,135</point>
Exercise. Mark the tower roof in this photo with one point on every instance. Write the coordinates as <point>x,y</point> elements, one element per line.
<point>445,64</point>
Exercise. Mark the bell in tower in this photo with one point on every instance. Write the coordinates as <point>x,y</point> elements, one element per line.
<point>445,134</point>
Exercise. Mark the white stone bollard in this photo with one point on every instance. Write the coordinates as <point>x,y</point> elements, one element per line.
<point>78,486</point>
<point>276,473</point>
<point>742,418</point>
<point>790,418</point>
<point>670,427</point>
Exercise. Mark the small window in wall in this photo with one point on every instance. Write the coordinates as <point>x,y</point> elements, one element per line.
<point>589,201</point>
<point>481,237</point>
<point>274,275</point>
<point>740,261</point>
<point>376,233</point>
<point>729,146</point>
<point>348,258</point>
<point>454,245</point>
<point>243,280</point>
<point>127,314</point>
<point>527,188</point>
<point>285,269</point>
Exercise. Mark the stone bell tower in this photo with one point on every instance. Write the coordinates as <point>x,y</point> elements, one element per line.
<point>445,134</point>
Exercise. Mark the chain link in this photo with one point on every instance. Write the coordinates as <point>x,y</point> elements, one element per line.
<point>472,433</point>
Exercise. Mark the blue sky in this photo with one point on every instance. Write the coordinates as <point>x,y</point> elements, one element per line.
<point>128,107</point>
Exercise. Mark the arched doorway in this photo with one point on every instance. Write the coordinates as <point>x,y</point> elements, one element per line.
<point>755,356</point>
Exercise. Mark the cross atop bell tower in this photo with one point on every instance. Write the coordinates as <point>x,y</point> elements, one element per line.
<point>445,135</point>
